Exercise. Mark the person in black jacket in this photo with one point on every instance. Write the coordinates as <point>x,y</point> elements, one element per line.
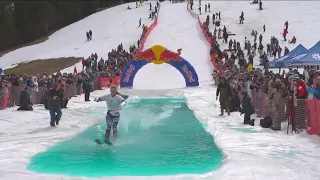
<point>54,104</point>
<point>25,100</point>
<point>247,109</point>
<point>224,90</point>
<point>86,85</point>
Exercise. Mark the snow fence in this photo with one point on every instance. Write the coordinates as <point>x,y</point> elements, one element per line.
<point>150,28</point>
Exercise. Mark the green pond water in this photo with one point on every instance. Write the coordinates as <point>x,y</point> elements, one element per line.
<point>159,136</point>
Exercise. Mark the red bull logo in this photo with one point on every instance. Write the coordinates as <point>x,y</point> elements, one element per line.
<point>158,55</point>
<point>188,73</point>
<point>128,73</point>
<point>147,55</point>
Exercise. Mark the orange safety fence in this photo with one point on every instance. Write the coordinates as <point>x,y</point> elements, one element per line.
<point>149,29</point>
<point>305,112</point>
<point>313,118</point>
<point>210,40</point>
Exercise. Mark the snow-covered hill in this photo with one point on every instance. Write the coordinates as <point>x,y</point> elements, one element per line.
<point>110,28</point>
<point>301,15</point>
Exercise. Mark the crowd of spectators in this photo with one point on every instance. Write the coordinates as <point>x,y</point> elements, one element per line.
<point>277,92</point>
<point>37,85</point>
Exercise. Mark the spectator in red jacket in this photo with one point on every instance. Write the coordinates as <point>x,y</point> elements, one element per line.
<point>301,88</point>
<point>75,71</point>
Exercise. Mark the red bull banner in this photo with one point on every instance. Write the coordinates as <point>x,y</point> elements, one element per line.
<point>159,55</point>
<point>116,80</point>
<point>104,82</point>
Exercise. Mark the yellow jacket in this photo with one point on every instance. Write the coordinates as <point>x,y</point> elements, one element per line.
<point>250,67</point>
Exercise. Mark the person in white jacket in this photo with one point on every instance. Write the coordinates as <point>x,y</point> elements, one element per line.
<point>36,85</point>
<point>115,102</point>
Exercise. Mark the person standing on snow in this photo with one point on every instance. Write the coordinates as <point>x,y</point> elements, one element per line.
<point>260,38</point>
<point>209,7</point>
<point>235,45</point>
<point>199,9</point>
<point>248,48</point>
<point>86,86</point>
<point>213,18</point>
<point>224,90</point>
<point>90,33</point>
<point>230,44</point>
<point>286,24</point>
<point>54,104</point>
<point>245,43</point>
<point>286,50</point>
<point>114,105</point>
<point>255,38</point>
<point>241,18</point>
<point>285,34</point>
<point>279,50</point>
<point>225,36</point>
<point>205,7</point>
<point>264,28</point>
<point>88,36</point>
<point>260,5</point>
<point>254,49</point>
<point>139,22</point>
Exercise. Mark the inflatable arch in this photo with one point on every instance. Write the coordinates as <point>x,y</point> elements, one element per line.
<point>158,55</point>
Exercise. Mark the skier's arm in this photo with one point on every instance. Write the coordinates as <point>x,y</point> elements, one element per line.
<point>102,98</point>
<point>123,103</point>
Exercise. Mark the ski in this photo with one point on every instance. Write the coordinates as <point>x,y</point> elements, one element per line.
<point>100,143</point>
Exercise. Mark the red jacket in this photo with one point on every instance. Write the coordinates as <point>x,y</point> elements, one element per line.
<point>285,33</point>
<point>302,92</point>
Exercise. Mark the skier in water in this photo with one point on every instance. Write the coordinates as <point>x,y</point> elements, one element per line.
<point>115,101</point>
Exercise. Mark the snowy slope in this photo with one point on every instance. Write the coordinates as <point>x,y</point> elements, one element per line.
<point>301,16</point>
<point>110,28</point>
<point>176,29</point>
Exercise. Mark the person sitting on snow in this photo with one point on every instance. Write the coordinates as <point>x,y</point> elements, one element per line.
<point>25,100</point>
<point>293,40</point>
<point>247,109</point>
<point>253,33</point>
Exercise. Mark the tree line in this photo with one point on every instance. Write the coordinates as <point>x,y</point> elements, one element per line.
<point>25,21</point>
